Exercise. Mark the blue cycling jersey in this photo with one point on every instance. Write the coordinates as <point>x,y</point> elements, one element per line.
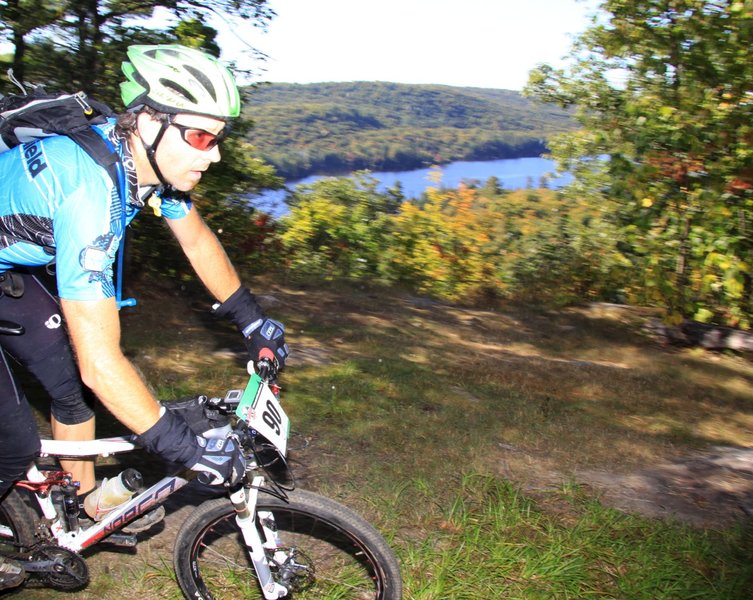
<point>57,203</point>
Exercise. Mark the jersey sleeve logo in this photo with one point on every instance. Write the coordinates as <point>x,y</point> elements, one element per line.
<point>97,258</point>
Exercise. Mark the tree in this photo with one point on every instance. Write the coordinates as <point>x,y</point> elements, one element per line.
<point>19,18</point>
<point>81,35</point>
<point>492,187</point>
<point>664,92</point>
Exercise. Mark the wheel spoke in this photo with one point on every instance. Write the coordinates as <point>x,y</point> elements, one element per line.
<point>221,558</point>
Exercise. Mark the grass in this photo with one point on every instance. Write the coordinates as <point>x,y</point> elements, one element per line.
<point>493,541</point>
<point>460,433</point>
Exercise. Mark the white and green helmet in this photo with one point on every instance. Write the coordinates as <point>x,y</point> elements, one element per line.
<point>175,79</point>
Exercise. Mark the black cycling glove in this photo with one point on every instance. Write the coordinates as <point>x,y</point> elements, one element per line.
<point>258,331</point>
<point>200,418</point>
<point>172,439</point>
<point>222,460</point>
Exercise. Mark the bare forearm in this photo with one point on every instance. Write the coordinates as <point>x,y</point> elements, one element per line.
<point>213,267</point>
<point>206,255</point>
<point>95,332</point>
<point>120,388</point>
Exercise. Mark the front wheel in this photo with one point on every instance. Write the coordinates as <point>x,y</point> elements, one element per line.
<point>337,554</point>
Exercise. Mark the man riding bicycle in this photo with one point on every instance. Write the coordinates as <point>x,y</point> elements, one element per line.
<point>178,103</point>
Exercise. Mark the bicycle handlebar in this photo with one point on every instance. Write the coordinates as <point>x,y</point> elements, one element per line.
<point>267,367</point>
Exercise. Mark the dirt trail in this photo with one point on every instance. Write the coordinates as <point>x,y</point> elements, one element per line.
<point>713,489</point>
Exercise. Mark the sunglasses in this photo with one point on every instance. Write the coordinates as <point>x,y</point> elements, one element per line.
<point>200,138</point>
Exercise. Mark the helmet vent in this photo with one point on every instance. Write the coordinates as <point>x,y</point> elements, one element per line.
<point>164,50</point>
<point>179,90</point>
<point>205,81</point>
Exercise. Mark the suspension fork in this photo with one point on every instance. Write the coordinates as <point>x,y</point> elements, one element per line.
<point>244,502</point>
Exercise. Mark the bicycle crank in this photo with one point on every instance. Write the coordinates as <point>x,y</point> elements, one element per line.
<point>58,568</point>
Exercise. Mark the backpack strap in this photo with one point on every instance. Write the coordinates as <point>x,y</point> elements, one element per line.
<point>102,151</point>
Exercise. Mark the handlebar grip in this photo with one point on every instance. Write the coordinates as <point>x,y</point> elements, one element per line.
<point>267,364</point>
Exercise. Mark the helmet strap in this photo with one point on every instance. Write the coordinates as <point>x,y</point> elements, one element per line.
<point>151,151</point>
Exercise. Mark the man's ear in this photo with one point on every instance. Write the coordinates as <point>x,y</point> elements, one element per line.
<point>147,126</point>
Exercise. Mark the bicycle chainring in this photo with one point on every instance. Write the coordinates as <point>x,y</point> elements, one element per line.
<point>68,571</point>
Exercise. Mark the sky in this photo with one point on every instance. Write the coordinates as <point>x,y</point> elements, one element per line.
<point>477,43</point>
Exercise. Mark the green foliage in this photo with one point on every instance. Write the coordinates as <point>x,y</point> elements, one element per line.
<point>466,244</point>
<point>673,131</point>
<point>21,18</point>
<point>341,127</point>
<point>337,227</point>
<point>74,44</point>
<point>564,258</point>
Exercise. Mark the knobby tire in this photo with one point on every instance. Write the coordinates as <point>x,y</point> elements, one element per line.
<point>17,523</point>
<point>350,559</point>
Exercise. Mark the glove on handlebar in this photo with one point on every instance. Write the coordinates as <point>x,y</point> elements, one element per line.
<point>270,334</point>
<point>222,460</point>
<point>203,421</point>
<point>258,331</point>
<point>172,439</point>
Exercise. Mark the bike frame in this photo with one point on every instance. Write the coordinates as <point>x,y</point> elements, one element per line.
<point>243,500</point>
<point>38,482</point>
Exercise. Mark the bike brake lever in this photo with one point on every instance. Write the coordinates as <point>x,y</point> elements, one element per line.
<point>267,369</point>
<point>267,365</point>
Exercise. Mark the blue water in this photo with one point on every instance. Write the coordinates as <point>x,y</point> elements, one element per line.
<point>514,173</point>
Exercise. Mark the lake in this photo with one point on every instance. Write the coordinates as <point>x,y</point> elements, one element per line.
<point>513,174</point>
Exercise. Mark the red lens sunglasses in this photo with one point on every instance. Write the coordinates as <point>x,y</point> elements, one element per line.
<point>200,138</point>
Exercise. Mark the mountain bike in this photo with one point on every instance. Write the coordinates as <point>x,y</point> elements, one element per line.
<point>263,539</point>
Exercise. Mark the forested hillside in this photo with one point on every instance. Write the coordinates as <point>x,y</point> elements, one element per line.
<point>336,128</point>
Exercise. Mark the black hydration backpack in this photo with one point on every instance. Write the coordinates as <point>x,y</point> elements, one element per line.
<point>27,117</point>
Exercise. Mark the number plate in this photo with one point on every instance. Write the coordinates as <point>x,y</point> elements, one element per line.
<point>261,409</point>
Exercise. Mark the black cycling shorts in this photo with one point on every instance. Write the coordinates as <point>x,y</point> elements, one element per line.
<point>45,351</point>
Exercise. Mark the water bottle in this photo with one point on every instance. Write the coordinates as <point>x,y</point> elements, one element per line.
<point>112,493</point>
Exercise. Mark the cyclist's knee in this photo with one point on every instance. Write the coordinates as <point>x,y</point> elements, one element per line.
<point>56,370</point>
<point>71,409</point>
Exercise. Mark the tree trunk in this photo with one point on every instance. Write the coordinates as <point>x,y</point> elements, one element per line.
<point>19,45</point>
